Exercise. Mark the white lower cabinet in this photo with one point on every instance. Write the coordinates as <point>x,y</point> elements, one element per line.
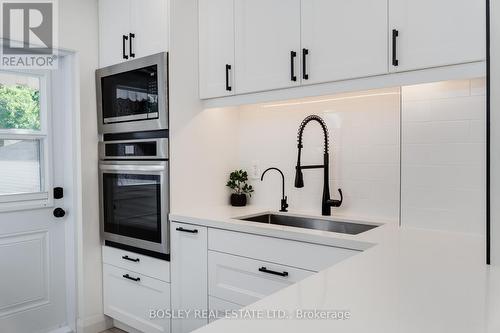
<point>188,249</point>
<point>219,308</point>
<point>129,297</point>
<point>244,281</point>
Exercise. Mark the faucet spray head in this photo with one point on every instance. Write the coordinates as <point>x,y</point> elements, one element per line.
<point>299,177</point>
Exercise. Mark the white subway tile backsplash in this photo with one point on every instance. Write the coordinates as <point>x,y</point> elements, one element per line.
<point>436,90</point>
<point>364,152</point>
<point>443,156</point>
<point>417,158</point>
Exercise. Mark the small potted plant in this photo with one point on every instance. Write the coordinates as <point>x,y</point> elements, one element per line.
<point>238,183</point>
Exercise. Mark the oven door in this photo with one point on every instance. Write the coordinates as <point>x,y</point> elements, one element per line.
<point>134,203</point>
<point>132,96</point>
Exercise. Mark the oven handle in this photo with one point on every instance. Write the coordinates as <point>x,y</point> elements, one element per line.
<point>132,167</point>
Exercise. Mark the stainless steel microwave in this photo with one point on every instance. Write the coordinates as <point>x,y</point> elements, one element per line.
<point>133,95</point>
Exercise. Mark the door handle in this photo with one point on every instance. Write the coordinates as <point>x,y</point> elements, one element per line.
<point>59,212</point>
<point>293,55</point>
<point>395,34</point>
<point>228,68</point>
<point>130,47</point>
<point>268,271</point>
<point>124,41</point>
<point>305,53</point>
<point>192,231</point>
<point>137,279</point>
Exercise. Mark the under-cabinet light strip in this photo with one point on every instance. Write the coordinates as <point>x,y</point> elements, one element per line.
<point>328,100</point>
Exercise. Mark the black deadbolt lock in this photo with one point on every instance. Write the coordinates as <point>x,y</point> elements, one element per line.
<point>59,212</point>
<point>58,193</point>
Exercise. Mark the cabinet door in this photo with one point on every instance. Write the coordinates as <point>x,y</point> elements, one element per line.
<point>189,273</point>
<point>114,23</point>
<point>216,47</point>
<point>344,39</point>
<point>266,33</point>
<point>436,32</point>
<point>149,24</point>
<point>243,281</point>
<point>129,297</point>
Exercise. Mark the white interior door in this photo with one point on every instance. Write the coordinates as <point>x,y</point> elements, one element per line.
<point>339,34</point>
<point>436,33</point>
<point>35,141</point>
<point>266,33</point>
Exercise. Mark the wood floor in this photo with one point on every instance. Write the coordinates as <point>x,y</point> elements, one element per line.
<point>114,330</point>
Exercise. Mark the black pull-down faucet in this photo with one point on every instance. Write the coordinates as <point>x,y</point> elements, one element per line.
<point>284,204</point>
<point>326,202</point>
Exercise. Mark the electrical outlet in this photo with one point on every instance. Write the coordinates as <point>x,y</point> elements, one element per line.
<point>254,170</point>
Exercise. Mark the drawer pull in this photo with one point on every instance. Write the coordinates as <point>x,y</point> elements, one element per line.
<point>192,231</point>
<point>131,259</point>
<point>137,279</point>
<point>265,270</point>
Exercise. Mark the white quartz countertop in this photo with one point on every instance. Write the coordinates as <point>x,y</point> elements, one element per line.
<point>405,280</point>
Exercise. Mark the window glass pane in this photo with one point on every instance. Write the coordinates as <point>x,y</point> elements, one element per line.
<point>20,166</point>
<point>19,102</point>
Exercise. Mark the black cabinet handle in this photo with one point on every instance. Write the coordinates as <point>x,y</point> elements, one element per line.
<point>124,41</point>
<point>130,48</point>
<point>305,52</point>
<point>268,271</point>
<point>395,34</point>
<point>293,55</point>
<point>192,231</point>
<point>228,68</point>
<point>131,259</point>
<point>126,276</point>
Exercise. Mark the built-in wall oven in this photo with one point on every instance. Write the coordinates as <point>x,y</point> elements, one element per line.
<point>134,196</point>
<point>133,96</point>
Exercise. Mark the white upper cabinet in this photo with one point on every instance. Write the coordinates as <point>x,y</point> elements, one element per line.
<point>129,29</point>
<point>114,23</point>
<point>216,48</point>
<point>431,33</point>
<point>267,44</point>
<point>149,24</point>
<point>343,39</point>
<point>275,44</point>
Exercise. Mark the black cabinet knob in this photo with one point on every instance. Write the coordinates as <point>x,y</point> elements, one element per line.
<point>59,212</point>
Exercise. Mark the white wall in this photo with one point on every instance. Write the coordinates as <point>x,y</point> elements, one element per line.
<point>443,156</point>
<point>364,152</point>
<point>78,31</point>
<point>202,142</point>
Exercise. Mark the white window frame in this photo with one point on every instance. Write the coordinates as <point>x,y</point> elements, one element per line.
<point>44,198</point>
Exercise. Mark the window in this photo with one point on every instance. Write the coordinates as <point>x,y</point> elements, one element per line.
<point>24,164</point>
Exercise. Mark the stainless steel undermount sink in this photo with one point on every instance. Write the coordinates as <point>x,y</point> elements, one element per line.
<point>311,223</point>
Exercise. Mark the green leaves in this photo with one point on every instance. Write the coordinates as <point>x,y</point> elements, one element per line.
<point>238,182</point>
<point>19,107</point>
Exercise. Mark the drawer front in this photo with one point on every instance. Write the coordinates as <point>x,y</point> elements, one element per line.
<point>308,256</point>
<point>220,306</point>
<point>152,267</point>
<point>244,281</point>
<point>130,302</point>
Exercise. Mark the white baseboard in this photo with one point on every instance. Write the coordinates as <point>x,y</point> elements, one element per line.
<point>94,324</point>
